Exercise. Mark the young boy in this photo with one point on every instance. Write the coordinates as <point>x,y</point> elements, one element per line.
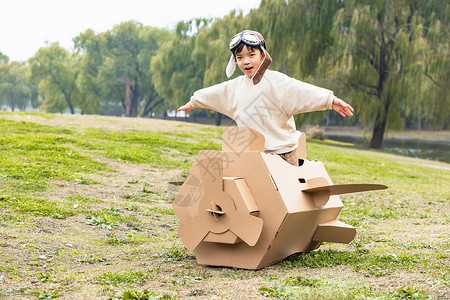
<point>264,100</point>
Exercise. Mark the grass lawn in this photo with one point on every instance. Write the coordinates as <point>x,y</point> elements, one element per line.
<point>85,213</point>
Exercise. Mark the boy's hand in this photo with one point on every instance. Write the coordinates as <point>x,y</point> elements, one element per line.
<point>342,108</point>
<point>188,106</point>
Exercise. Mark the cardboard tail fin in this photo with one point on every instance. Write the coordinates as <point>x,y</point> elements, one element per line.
<point>335,232</point>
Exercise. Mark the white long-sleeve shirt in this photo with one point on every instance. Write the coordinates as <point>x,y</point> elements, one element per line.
<point>267,107</point>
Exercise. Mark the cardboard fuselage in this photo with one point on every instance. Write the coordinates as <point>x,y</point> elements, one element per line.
<point>243,208</point>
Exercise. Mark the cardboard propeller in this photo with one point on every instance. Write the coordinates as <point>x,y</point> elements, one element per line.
<point>217,212</point>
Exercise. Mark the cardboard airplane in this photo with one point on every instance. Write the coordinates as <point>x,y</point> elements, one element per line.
<point>243,208</point>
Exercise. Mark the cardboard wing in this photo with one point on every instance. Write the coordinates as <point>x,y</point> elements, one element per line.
<point>339,189</point>
<point>321,190</point>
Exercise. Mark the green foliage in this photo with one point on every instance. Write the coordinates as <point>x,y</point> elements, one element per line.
<point>14,90</point>
<point>385,250</point>
<point>387,58</point>
<point>139,295</point>
<point>45,277</point>
<point>90,260</point>
<point>173,67</point>
<point>115,72</point>
<point>133,238</point>
<point>270,292</point>
<point>31,154</point>
<point>163,210</point>
<point>3,57</point>
<point>381,50</point>
<point>410,293</point>
<point>110,217</point>
<point>56,70</point>
<point>26,204</point>
<point>122,278</point>
<point>165,149</point>
<point>301,281</point>
<point>106,218</point>
<point>83,199</point>
<point>49,294</point>
<point>361,260</point>
<point>175,254</point>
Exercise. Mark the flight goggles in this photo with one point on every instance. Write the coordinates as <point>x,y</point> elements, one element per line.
<point>248,38</point>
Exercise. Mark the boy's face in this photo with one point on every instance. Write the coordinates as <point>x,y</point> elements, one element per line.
<point>249,60</point>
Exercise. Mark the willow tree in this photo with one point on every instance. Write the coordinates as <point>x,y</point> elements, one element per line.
<point>175,74</point>
<point>90,48</point>
<point>3,57</point>
<point>298,36</point>
<point>436,69</point>
<point>56,70</point>
<point>14,90</point>
<point>212,48</point>
<point>382,49</point>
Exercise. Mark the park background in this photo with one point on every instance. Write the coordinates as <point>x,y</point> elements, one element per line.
<point>388,59</point>
<point>85,208</point>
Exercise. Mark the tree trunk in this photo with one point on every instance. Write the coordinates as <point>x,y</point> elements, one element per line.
<point>381,119</point>
<point>135,102</point>
<point>69,102</point>
<point>378,134</point>
<point>134,107</point>
<point>127,99</point>
<point>218,119</point>
<point>380,126</point>
<point>148,109</point>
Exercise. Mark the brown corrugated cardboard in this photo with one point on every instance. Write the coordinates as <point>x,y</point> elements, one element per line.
<point>301,149</point>
<point>334,231</point>
<point>244,208</point>
<point>240,139</point>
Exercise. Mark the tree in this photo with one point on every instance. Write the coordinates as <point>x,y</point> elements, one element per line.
<point>195,58</point>
<point>175,76</point>
<point>116,66</point>
<point>14,90</point>
<point>89,45</point>
<point>211,48</point>
<point>3,57</point>
<point>298,36</point>
<point>382,49</point>
<point>388,58</point>
<point>56,71</point>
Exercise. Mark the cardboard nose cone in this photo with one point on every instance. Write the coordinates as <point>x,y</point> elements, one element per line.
<point>243,208</point>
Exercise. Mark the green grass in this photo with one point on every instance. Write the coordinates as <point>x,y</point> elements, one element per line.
<point>31,154</point>
<point>361,260</point>
<point>138,295</point>
<point>162,149</point>
<point>86,211</point>
<point>122,278</point>
<point>26,204</point>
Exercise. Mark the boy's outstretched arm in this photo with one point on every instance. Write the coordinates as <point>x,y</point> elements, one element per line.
<point>188,106</point>
<point>343,108</point>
